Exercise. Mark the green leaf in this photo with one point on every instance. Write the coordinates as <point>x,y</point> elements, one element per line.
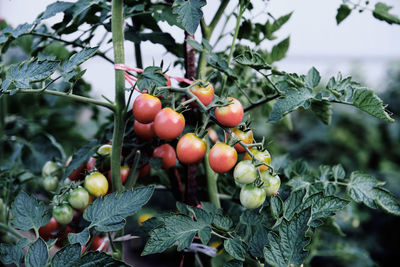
<point>69,256</point>
<point>77,59</point>
<point>205,219</point>
<point>381,12</point>
<point>37,254</point>
<point>338,172</point>
<point>54,8</point>
<point>292,101</point>
<point>28,72</point>
<point>276,205</point>
<point>81,238</point>
<point>222,222</point>
<point>322,109</point>
<point>81,6</point>
<point>189,13</point>
<point>234,263</point>
<point>28,213</point>
<point>81,156</point>
<point>258,240</point>
<point>323,206</point>
<point>179,229</point>
<point>151,76</point>
<point>364,188</point>
<point>270,28</point>
<point>387,202</point>
<point>109,213</point>
<point>279,50</point>
<point>252,59</point>
<point>22,29</point>
<point>367,101</point>
<point>293,204</point>
<point>342,13</point>
<point>234,247</point>
<point>11,254</point>
<point>287,247</point>
<point>312,78</point>
<point>155,37</point>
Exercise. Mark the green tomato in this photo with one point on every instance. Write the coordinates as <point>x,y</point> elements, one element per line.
<point>96,184</point>
<point>252,197</point>
<point>245,172</point>
<point>63,213</point>
<point>271,183</point>
<point>79,198</point>
<point>50,183</point>
<point>50,168</point>
<point>104,150</point>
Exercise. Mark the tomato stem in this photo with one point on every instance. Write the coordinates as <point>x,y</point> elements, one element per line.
<point>11,230</point>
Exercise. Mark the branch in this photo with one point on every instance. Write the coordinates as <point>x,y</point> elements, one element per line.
<point>66,95</point>
<point>260,102</point>
<point>218,14</point>
<point>69,43</point>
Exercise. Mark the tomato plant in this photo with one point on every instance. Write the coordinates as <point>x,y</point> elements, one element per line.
<point>228,156</point>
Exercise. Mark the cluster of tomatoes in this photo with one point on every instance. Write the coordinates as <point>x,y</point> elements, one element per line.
<point>152,120</point>
<point>71,198</point>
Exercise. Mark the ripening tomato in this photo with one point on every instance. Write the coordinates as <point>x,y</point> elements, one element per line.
<point>252,197</point>
<point>169,124</point>
<point>96,184</point>
<point>51,168</point>
<point>50,183</point>
<point>78,198</point>
<point>271,183</point>
<point>168,155</point>
<point>144,131</point>
<point>204,94</point>
<point>146,107</point>
<point>49,231</point>
<point>222,157</point>
<point>213,135</point>
<point>63,213</point>
<point>191,148</point>
<point>230,115</point>
<point>245,137</point>
<point>262,156</point>
<point>91,164</point>
<point>99,243</point>
<point>245,172</point>
<point>124,173</point>
<point>144,217</point>
<point>168,83</point>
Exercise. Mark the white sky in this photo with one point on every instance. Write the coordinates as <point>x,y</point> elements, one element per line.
<point>316,40</point>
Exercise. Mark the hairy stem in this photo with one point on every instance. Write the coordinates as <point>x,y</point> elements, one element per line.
<point>117,25</point>
<point>11,230</point>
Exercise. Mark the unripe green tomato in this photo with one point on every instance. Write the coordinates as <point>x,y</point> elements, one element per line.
<point>104,150</point>
<point>245,172</point>
<point>50,183</point>
<point>79,198</point>
<point>252,197</point>
<point>50,168</point>
<point>63,213</point>
<point>271,183</point>
<point>96,184</point>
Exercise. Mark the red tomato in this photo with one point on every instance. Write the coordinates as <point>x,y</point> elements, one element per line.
<point>245,137</point>
<point>230,115</point>
<point>144,131</point>
<point>169,124</point>
<point>168,155</point>
<point>62,236</point>
<point>144,171</point>
<point>49,231</point>
<point>190,148</point>
<point>222,157</point>
<point>91,164</point>
<point>79,173</point>
<point>99,243</point>
<point>204,94</point>
<point>262,156</point>
<point>146,107</point>
<point>124,172</point>
<point>168,83</point>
